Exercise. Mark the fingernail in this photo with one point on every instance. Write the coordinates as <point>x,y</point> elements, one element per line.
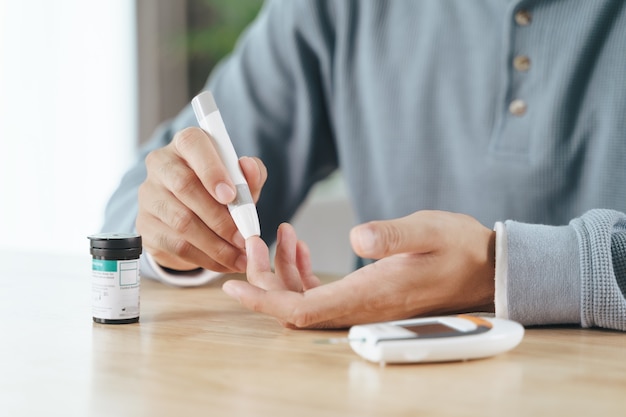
<point>225,194</point>
<point>366,239</point>
<point>230,290</point>
<point>279,236</point>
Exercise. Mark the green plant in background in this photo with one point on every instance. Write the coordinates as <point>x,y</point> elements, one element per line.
<point>213,29</point>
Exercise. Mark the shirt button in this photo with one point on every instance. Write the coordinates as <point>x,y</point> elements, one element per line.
<point>517,107</point>
<point>523,17</point>
<point>521,63</point>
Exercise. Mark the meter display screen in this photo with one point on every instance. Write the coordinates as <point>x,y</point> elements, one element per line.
<point>433,329</point>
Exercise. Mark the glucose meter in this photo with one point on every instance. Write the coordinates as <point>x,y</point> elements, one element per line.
<point>435,339</point>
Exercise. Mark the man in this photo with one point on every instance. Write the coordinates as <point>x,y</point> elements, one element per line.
<point>511,113</point>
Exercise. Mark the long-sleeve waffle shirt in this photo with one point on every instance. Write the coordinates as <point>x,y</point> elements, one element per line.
<point>513,112</point>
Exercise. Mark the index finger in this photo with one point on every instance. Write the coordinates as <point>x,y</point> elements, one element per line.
<point>195,146</point>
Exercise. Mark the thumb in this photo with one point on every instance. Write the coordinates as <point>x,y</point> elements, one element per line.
<point>379,239</point>
<point>256,174</point>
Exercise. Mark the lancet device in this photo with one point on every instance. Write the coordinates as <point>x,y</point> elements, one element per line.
<point>242,209</point>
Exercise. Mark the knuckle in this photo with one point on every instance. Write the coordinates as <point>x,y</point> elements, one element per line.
<point>434,227</point>
<point>301,317</point>
<point>223,225</point>
<point>255,306</point>
<point>160,166</point>
<point>391,237</point>
<point>212,173</point>
<point>183,182</point>
<point>185,139</point>
<point>182,220</point>
<point>151,159</point>
<point>225,254</point>
<point>142,192</point>
<point>160,208</point>
<point>157,162</point>
<point>394,236</point>
<point>176,246</point>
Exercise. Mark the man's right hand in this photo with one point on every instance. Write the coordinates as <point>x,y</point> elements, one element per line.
<point>183,218</point>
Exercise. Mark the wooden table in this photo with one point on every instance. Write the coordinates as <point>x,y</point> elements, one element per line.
<point>197,352</point>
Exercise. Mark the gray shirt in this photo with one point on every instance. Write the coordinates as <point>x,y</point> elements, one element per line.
<point>510,111</point>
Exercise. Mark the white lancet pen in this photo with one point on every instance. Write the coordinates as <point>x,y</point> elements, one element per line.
<point>242,208</point>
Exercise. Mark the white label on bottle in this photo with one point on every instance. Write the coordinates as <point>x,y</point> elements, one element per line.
<point>115,289</point>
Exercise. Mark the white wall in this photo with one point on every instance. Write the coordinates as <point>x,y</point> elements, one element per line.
<point>68,129</point>
<point>67,118</point>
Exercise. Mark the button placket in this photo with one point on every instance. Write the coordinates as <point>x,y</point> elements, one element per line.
<point>511,138</point>
<point>517,107</point>
<point>523,17</point>
<point>521,63</point>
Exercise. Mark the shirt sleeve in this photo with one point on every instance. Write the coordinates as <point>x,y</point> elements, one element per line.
<point>501,276</point>
<point>150,269</point>
<point>602,244</point>
<point>563,274</point>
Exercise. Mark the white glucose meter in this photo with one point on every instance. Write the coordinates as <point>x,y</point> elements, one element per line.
<point>435,339</point>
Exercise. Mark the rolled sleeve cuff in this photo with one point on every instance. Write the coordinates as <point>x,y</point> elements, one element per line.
<point>502,266</point>
<point>150,269</point>
<point>537,274</point>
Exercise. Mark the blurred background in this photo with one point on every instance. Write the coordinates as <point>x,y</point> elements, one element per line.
<point>83,84</point>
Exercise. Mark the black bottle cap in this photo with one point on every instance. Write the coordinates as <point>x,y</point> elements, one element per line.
<point>116,245</point>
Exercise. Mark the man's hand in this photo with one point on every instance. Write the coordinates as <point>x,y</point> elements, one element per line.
<point>429,263</point>
<point>183,218</point>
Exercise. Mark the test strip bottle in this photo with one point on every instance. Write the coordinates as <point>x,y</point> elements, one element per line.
<point>115,280</point>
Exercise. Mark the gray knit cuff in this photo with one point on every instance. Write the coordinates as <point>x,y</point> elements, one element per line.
<point>543,285</point>
<point>603,303</point>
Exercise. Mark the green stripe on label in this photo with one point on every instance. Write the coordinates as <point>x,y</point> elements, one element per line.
<point>104,265</point>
